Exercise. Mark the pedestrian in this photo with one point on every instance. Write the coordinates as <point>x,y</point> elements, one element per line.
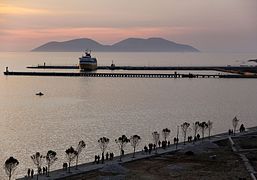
<point>112,156</point>
<point>242,128</point>
<point>107,156</point>
<point>39,170</point>
<point>32,173</point>
<point>150,145</point>
<point>146,149</point>
<point>198,136</point>
<point>95,158</point>
<point>98,159</point>
<point>28,172</point>
<point>195,139</point>
<point>175,140</point>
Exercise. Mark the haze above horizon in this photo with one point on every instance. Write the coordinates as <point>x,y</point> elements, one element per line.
<point>214,26</point>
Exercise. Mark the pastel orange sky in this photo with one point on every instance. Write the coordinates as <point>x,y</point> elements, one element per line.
<point>209,25</point>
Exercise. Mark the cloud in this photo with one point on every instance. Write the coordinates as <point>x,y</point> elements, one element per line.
<point>26,39</point>
<point>106,34</point>
<point>6,9</point>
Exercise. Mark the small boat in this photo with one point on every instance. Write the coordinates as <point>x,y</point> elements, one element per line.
<point>87,63</point>
<point>39,94</point>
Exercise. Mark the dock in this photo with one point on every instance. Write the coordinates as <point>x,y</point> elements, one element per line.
<point>126,75</point>
<point>232,71</point>
<point>251,69</point>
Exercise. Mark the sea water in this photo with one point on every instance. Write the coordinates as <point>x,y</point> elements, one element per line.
<point>87,108</point>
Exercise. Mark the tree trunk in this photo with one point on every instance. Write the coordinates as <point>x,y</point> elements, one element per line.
<point>48,170</point>
<point>77,159</point>
<point>120,153</point>
<point>102,157</point>
<point>134,152</point>
<point>202,135</point>
<point>185,138</point>
<point>69,166</point>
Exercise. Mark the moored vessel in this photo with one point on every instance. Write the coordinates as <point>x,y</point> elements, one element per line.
<point>87,63</point>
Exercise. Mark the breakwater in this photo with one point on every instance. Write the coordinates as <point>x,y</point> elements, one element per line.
<point>252,69</point>
<point>126,75</point>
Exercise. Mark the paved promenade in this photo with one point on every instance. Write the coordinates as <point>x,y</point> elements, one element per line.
<point>83,168</point>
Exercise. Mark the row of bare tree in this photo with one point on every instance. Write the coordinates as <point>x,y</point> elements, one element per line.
<point>73,154</point>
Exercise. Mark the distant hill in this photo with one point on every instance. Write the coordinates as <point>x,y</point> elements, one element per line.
<point>127,45</point>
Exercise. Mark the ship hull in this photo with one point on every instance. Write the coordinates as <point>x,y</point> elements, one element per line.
<point>88,66</point>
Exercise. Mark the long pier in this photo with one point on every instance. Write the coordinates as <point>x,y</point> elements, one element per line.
<point>252,69</point>
<point>126,75</point>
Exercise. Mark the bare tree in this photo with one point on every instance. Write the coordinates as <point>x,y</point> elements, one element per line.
<point>50,159</point>
<point>70,155</point>
<point>203,127</point>
<point>235,122</point>
<point>210,125</point>
<point>165,133</point>
<point>156,139</point>
<point>10,165</point>
<point>196,128</point>
<point>122,141</point>
<point>103,144</point>
<point>37,160</point>
<point>184,128</point>
<point>177,137</point>
<point>80,147</point>
<point>135,140</point>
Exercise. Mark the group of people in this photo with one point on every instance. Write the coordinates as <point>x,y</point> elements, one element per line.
<point>40,171</point>
<point>146,150</point>
<point>164,144</point>
<point>149,148</point>
<point>189,139</point>
<point>176,140</point>
<point>108,156</point>
<point>230,132</point>
<point>241,129</point>
<point>30,173</point>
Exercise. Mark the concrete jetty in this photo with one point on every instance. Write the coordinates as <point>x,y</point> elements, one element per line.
<point>127,75</point>
<point>252,69</point>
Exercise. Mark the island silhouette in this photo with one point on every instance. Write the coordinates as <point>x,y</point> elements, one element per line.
<point>127,45</point>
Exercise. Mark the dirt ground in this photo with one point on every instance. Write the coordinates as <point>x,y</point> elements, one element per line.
<point>246,142</point>
<point>248,146</point>
<point>217,163</point>
<point>252,156</point>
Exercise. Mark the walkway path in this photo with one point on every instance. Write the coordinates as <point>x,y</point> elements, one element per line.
<point>57,174</point>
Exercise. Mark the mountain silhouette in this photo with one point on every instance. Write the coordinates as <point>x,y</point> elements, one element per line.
<point>127,45</point>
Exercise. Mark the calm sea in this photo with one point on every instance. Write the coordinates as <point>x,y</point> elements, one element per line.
<point>82,108</point>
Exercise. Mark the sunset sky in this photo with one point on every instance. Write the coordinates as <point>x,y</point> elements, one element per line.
<point>209,25</point>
